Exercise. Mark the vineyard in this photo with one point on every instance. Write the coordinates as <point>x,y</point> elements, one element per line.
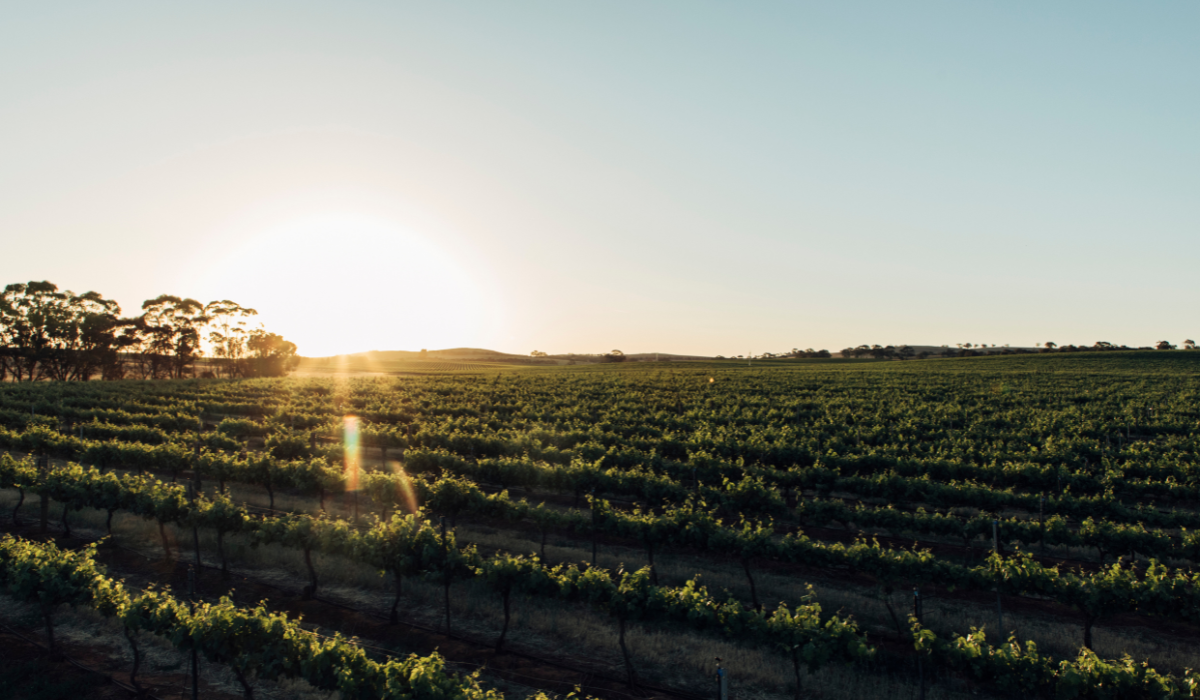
<point>1006,526</point>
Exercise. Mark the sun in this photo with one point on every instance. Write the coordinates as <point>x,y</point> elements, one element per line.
<point>343,283</point>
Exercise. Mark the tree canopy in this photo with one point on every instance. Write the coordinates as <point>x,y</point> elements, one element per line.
<point>52,334</point>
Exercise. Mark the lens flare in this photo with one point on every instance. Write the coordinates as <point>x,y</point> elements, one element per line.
<point>350,448</point>
<point>406,498</point>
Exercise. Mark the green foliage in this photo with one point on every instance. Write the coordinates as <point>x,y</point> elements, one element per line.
<point>253,642</point>
<point>1014,667</point>
<point>731,466</point>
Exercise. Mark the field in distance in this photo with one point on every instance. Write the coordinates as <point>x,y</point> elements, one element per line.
<point>403,362</point>
<point>400,362</point>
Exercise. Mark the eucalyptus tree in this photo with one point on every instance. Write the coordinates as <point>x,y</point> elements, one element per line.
<point>173,327</point>
<point>228,334</point>
<point>30,313</point>
<point>270,354</point>
<point>85,338</point>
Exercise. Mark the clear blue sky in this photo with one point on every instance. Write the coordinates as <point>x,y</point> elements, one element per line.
<point>681,177</point>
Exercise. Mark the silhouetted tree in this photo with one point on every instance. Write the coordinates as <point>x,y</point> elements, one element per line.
<point>614,356</point>
<point>46,333</point>
<point>228,335</point>
<point>173,326</point>
<point>270,355</point>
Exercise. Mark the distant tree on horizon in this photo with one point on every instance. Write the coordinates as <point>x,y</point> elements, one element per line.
<point>614,356</point>
<point>270,355</point>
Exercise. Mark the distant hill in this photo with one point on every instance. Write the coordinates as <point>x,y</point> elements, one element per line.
<point>410,355</point>
<point>484,355</point>
<point>458,360</point>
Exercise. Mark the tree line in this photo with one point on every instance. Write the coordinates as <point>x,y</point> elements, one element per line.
<point>1051,346</point>
<point>905,352</point>
<point>52,334</point>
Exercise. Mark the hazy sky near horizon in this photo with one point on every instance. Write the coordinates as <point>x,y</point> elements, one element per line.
<point>690,177</point>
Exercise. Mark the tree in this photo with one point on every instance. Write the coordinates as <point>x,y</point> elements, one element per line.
<point>30,314</point>
<point>270,355</point>
<point>1049,345</point>
<point>172,325</point>
<point>48,334</point>
<point>1189,345</point>
<point>538,353</point>
<point>100,334</point>
<point>614,356</point>
<point>228,334</point>
<point>1164,345</point>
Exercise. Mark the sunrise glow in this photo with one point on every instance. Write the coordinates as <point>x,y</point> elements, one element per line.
<point>341,283</point>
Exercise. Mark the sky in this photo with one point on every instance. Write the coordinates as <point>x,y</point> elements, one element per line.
<point>689,177</point>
